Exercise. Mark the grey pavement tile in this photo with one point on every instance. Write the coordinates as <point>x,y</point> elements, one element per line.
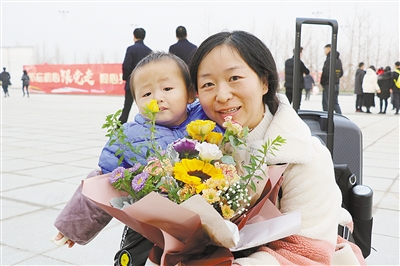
<point>60,157</point>
<point>386,222</point>
<point>100,251</point>
<point>377,198</point>
<point>76,180</point>
<point>387,251</point>
<point>381,172</point>
<point>43,260</point>
<point>92,142</point>
<point>21,164</point>
<point>17,152</point>
<point>9,140</point>
<point>388,154</point>
<point>47,194</point>
<point>27,143</point>
<point>10,132</point>
<point>11,208</point>
<point>92,151</point>
<point>92,162</point>
<point>57,171</point>
<point>60,206</point>
<point>14,256</point>
<point>34,231</point>
<point>395,187</point>
<point>11,181</point>
<point>63,147</point>
<point>382,163</point>
<point>389,200</point>
<point>378,184</point>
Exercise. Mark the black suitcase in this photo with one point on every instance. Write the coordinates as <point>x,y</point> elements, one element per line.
<point>343,138</point>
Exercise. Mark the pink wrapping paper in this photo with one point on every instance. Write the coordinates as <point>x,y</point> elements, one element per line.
<point>177,232</point>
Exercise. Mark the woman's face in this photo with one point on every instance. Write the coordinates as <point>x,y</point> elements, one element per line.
<point>227,86</point>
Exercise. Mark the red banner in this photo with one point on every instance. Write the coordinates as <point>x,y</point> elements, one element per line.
<point>76,79</point>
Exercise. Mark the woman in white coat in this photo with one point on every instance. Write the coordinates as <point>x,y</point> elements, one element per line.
<point>235,75</point>
<point>370,87</point>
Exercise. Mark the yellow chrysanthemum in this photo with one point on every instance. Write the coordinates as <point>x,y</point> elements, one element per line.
<point>194,172</point>
<point>214,138</point>
<point>200,128</point>
<point>210,195</point>
<point>217,184</point>
<point>227,212</point>
<point>153,106</point>
<point>186,192</point>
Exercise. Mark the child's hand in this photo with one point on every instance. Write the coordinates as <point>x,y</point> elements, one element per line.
<point>61,240</point>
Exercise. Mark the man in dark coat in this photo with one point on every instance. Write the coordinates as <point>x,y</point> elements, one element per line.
<point>289,71</point>
<point>358,90</point>
<point>183,48</point>
<point>325,79</point>
<point>385,83</point>
<point>5,81</point>
<point>133,55</point>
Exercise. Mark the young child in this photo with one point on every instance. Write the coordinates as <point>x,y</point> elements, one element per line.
<point>160,76</point>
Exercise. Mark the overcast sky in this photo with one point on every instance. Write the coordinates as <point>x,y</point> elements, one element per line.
<point>103,29</point>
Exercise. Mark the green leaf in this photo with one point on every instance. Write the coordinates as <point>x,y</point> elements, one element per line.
<point>227,159</point>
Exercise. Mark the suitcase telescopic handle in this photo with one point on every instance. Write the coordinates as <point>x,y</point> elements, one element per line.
<point>332,77</point>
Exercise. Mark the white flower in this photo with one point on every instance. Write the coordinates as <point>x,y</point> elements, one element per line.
<point>208,151</point>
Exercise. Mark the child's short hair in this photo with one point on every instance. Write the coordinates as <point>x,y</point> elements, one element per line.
<point>160,56</point>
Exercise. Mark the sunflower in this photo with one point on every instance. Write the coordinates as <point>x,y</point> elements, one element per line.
<point>195,172</point>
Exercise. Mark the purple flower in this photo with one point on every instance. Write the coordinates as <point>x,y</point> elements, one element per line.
<point>135,167</point>
<point>139,181</point>
<point>117,174</point>
<point>185,148</point>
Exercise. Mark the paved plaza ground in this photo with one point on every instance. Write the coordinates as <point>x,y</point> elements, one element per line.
<point>49,143</point>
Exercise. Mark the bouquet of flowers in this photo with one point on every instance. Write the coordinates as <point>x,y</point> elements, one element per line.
<point>203,173</point>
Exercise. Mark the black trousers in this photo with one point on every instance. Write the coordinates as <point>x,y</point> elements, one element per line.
<point>23,89</point>
<point>127,104</point>
<point>289,94</point>
<point>5,89</point>
<point>359,101</point>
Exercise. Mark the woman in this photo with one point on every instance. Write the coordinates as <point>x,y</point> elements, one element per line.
<point>25,83</point>
<point>385,83</point>
<point>235,75</point>
<point>370,87</point>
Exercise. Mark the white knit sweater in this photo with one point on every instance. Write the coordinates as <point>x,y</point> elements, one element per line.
<point>309,183</point>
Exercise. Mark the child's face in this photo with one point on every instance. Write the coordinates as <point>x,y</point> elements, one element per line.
<point>163,82</point>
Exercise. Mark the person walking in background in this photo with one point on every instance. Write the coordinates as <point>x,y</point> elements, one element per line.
<point>5,81</point>
<point>396,88</point>
<point>183,48</point>
<point>370,87</point>
<point>385,83</point>
<point>325,79</point>
<point>25,83</point>
<point>308,85</point>
<point>133,55</point>
<point>358,90</point>
<point>289,77</point>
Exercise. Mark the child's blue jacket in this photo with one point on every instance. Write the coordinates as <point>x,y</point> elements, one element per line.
<point>138,133</point>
